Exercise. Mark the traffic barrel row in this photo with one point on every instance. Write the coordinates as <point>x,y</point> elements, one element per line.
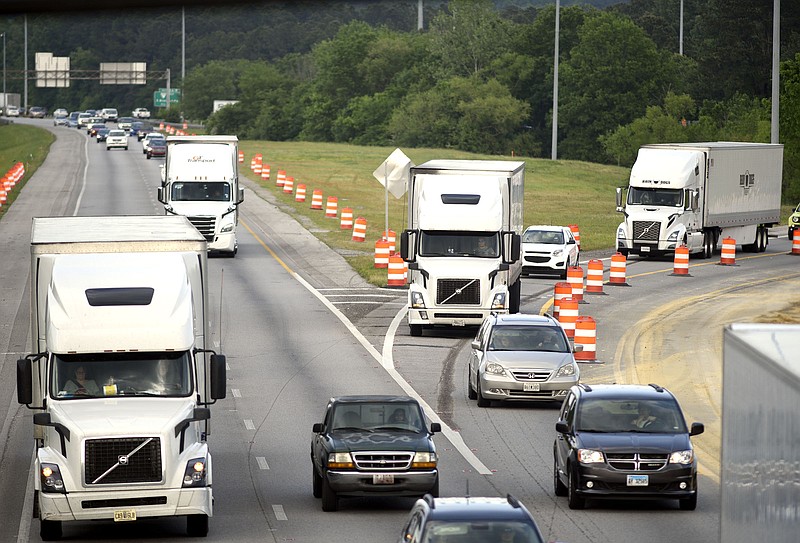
<point>10,180</point>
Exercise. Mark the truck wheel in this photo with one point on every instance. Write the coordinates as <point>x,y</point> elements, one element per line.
<point>708,244</point>
<point>148,156</point>
<point>514,295</point>
<point>764,237</point>
<point>330,502</point>
<point>197,525</point>
<point>415,329</point>
<point>317,483</point>
<point>50,530</point>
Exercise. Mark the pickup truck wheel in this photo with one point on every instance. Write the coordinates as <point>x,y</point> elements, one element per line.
<point>482,402</point>
<point>689,504</point>
<point>317,483</point>
<point>559,488</point>
<point>50,530</point>
<point>197,525</point>
<point>573,499</point>
<point>330,502</point>
<point>415,329</point>
<point>434,491</point>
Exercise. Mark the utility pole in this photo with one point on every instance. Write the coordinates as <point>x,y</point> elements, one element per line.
<point>554,142</point>
<point>776,72</point>
<point>680,38</point>
<point>25,92</point>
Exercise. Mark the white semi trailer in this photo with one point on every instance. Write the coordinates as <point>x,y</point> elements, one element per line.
<point>121,374</point>
<point>698,193</point>
<point>760,481</point>
<point>463,241</point>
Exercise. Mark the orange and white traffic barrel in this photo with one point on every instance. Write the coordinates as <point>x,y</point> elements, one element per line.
<point>576,233</point>
<point>616,276</point>
<point>561,290</point>
<point>396,273</point>
<point>796,244</point>
<point>241,156</point>
<point>346,218</point>
<point>360,229</point>
<point>281,179</point>
<point>316,199</point>
<point>586,335</point>
<point>382,253</point>
<point>594,277</point>
<point>392,237</point>
<point>332,207</point>
<point>3,196</point>
<point>288,184</point>
<point>728,253</point>
<point>681,264</point>
<point>265,170</point>
<point>300,193</point>
<point>253,164</point>
<point>575,279</point>
<point>568,315</point>
<point>257,167</point>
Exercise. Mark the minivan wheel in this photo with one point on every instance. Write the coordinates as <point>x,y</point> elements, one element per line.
<point>482,402</point>
<point>689,504</point>
<point>559,488</point>
<point>573,499</point>
<point>471,394</point>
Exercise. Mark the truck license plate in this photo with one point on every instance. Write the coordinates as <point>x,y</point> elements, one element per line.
<point>530,387</point>
<point>383,479</point>
<point>124,515</point>
<point>638,480</point>
<point>644,249</point>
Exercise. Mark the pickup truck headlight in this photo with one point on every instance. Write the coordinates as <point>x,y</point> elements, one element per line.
<point>341,460</point>
<point>51,479</point>
<point>425,460</point>
<point>682,457</point>
<point>589,456</point>
<point>417,300</point>
<point>494,368</point>
<point>195,473</point>
<point>566,370</point>
<point>499,301</point>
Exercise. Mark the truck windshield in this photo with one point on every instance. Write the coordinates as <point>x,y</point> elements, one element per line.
<point>100,375</point>
<point>446,243</point>
<point>655,197</point>
<point>210,191</point>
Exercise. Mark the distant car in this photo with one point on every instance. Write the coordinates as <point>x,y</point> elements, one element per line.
<point>37,112</point>
<point>625,442</point>
<point>157,147</point>
<point>794,222</point>
<point>141,113</point>
<point>102,134</point>
<point>116,138</point>
<point>60,120</point>
<point>148,137</point>
<point>468,519</point>
<point>373,446</point>
<point>516,357</point>
<point>125,123</point>
<point>12,111</point>
<point>109,114</point>
<point>141,129</point>
<point>93,128</point>
<point>84,119</point>
<point>549,250</point>
<point>61,112</point>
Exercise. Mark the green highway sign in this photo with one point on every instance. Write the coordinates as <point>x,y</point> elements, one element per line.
<point>160,97</point>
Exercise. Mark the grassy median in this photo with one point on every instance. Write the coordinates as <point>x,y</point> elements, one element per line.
<point>26,144</point>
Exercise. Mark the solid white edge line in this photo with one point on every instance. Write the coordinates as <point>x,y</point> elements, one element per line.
<point>387,362</point>
<point>24,532</point>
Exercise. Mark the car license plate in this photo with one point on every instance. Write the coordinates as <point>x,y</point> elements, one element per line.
<point>530,387</point>
<point>638,480</point>
<point>124,515</point>
<point>383,479</point>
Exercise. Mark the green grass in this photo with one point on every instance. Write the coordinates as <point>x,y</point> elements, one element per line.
<point>556,192</point>
<point>26,144</point>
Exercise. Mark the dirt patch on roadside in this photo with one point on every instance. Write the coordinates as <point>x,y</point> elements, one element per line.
<point>790,314</point>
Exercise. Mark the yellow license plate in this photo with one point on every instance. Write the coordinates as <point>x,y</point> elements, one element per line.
<point>125,515</point>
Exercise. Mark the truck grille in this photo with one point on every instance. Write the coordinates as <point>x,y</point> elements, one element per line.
<point>205,225</point>
<point>637,462</point>
<point>143,466</point>
<point>646,230</point>
<point>458,292</point>
<point>531,375</point>
<point>383,461</point>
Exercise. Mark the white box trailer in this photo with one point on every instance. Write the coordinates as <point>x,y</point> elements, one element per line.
<point>760,478</point>
<point>121,374</point>
<point>698,193</point>
<point>463,241</point>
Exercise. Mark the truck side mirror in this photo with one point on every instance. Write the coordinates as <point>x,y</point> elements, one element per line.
<point>512,243</point>
<point>241,196</point>
<point>620,209</point>
<point>219,385</point>
<point>407,242</point>
<point>696,200</point>
<point>161,195</point>
<point>24,381</point>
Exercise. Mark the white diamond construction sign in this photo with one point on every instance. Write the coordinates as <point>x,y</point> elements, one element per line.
<point>394,172</point>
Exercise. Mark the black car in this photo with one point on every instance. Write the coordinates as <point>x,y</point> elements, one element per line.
<point>624,441</point>
<point>373,446</point>
<point>468,519</point>
<point>157,147</point>
<point>101,134</point>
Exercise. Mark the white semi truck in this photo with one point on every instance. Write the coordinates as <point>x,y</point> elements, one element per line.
<point>698,193</point>
<point>760,489</point>
<point>121,374</point>
<point>200,180</point>
<point>463,241</point>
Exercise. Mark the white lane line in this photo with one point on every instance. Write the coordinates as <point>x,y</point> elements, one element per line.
<point>280,514</point>
<point>236,393</point>
<point>369,302</point>
<point>248,423</point>
<point>387,362</point>
<point>262,463</point>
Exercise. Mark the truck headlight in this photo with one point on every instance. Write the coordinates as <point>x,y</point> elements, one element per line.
<point>494,368</point>
<point>416,299</point>
<point>673,236</point>
<point>340,460</point>
<point>620,233</point>
<point>499,301</point>
<point>566,370</point>
<point>589,456</point>
<point>681,457</point>
<point>51,479</point>
<point>424,460</point>
<point>227,228</point>
<point>195,473</point>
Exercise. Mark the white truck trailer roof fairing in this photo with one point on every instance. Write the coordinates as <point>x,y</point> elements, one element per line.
<point>209,162</point>
<point>483,215</point>
<point>145,233</point>
<point>664,168</point>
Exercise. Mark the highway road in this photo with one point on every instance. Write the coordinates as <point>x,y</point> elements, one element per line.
<point>298,326</point>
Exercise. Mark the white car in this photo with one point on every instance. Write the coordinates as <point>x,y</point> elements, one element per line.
<point>549,250</point>
<point>116,138</point>
<point>109,114</point>
<point>61,112</point>
<point>147,138</point>
<point>12,111</point>
<point>141,113</point>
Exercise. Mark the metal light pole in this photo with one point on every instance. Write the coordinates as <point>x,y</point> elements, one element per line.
<point>680,39</point>
<point>776,72</point>
<point>554,143</point>
<point>5,96</point>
